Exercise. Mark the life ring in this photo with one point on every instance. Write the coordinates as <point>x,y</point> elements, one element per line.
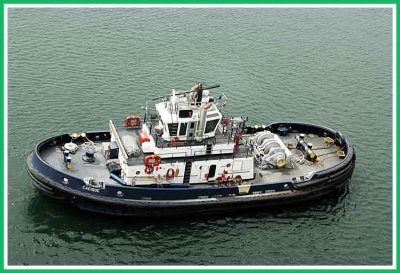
<point>219,179</point>
<point>152,160</point>
<point>170,174</point>
<point>149,170</point>
<point>132,121</point>
<point>238,179</point>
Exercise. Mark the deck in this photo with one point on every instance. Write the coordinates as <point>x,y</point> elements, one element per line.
<point>98,170</point>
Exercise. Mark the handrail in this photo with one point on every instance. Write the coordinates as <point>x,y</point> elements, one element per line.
<point>118,139</point>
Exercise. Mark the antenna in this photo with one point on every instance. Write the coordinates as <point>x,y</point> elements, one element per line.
<point>145,111</point>
<point>190,91</point>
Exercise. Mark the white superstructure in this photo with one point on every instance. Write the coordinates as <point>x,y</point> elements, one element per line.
<point>187,141</point>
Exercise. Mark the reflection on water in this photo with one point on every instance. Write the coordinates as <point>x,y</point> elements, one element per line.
<point>150,239</point>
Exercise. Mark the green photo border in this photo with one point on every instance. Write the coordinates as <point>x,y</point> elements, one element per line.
<point>2,148</point>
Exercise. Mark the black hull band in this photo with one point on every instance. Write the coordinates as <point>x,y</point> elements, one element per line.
<point>167,202</point>
<point>141,208</point>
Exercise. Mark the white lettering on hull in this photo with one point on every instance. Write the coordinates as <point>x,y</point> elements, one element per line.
<point>90,189</point>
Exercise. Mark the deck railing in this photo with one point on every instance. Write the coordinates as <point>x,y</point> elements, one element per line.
<point>118,139</point>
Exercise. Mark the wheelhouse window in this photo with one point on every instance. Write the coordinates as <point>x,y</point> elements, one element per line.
<point>185,113</point>
<point>183,129</point>
<point>210,126</point>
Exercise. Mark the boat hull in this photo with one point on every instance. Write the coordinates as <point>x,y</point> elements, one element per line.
<point>174,202</point>
<point>140,208</point>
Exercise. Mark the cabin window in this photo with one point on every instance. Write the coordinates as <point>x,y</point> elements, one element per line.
<point>173,129</point>
<point>191,125</point>
<point>210,126</point>
<point>211,172</point>
<point>213,115</point>
<point>183,129</point>
<point>185,113</point>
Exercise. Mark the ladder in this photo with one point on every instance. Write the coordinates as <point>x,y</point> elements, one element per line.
<point>188,170</point>
<point>209,149</point>
<point>174,129</point>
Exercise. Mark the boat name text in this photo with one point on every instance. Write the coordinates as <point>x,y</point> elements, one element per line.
<point>90,189</point>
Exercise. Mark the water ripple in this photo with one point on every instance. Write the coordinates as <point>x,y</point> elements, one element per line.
<point>73,69</point>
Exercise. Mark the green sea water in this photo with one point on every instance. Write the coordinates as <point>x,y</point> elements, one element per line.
<point>71,70</point>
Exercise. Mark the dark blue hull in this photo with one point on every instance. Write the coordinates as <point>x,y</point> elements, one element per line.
<point>163,202</point>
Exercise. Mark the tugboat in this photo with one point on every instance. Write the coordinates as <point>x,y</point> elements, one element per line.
<point>186,157</point>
